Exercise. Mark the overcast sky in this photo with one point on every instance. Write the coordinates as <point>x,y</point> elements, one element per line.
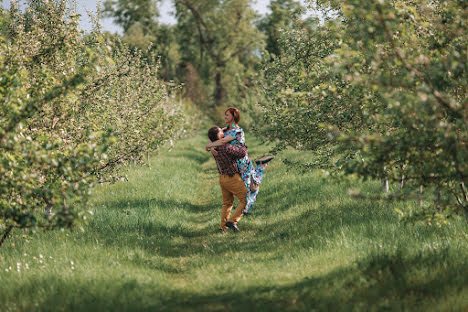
<point>165,8</point>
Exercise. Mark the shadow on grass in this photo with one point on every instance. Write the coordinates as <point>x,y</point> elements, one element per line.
<point>133,219</point>
<point>139,205</point>
<point>188,237</point>
<point>196,155</point>
<point>189,227</point>
<point>387,282</point>
<point>390,282</point>
<point>281,198</point>
<point>308,228</point>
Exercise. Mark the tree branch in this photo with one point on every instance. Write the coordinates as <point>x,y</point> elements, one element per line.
<point>200,22</point>
<point>416,72</point>
<point>239,51</point>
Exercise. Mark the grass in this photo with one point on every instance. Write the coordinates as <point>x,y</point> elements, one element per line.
<point>152,245</point>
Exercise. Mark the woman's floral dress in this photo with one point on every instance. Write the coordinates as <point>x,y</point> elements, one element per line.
<point>247,170</point>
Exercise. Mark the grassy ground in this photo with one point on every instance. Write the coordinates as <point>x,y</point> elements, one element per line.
<point>152,245</point>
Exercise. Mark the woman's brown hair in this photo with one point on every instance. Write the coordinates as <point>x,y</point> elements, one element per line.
<point>235,113</point>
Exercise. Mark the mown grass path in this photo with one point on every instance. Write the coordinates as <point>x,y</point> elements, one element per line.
<point>153,245</point>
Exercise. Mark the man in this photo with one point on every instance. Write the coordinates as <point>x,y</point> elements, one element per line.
<point>229,179</point>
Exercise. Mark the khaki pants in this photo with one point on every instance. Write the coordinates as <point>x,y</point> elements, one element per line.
<point>230,187</point>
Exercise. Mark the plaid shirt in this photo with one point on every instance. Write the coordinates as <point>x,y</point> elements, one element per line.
<point>226,159</point>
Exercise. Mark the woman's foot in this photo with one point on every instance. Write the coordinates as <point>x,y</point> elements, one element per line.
<point>264,160</point>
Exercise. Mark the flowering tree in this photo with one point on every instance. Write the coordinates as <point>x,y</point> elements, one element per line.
<point>39,169</point>
<point>72,110</point>
<point>127,99</point>
<point>388,90</point>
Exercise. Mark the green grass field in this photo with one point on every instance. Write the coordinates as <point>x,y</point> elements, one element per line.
<point>153,245</point>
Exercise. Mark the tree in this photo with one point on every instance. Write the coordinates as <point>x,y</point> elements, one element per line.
<point>284,13</point>
<point>69,118</point>
<point>128,99</point>
<point>143,32</point>
<point>423,91</point>
<point>39,170</point>
<point>304,94</point>
<point>127,13</point>
<point>407,106</point>
<point>216,34</point>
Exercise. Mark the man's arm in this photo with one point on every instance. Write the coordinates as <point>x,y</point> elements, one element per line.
<point>220,142</point>
<point>233,151</point>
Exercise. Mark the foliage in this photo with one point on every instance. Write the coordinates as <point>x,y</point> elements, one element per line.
<point>214,49</point>
<point>128,13</point>
<point>284,13</point>
<point>224,44</point>
<point>128,99</point>
<point>404,109</point>
<point>143,32</point>
<point>69,116</point>
<point>304,94</point>
<point>41,77</point>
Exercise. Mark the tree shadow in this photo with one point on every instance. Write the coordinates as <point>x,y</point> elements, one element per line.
<point>144,204</point>
<point>196,155</point>
<point>200,224</point>
<point>271,197</point>
<point>390,282</point>
<point>387,281</point>
<point>186,234</point>
<point>200,221</point>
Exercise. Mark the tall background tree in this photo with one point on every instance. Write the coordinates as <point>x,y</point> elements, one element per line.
<point>284,14</point>
<point>219,39</point>
<point>128,13</point>
<point>142,31</point>
<point>213,48</point>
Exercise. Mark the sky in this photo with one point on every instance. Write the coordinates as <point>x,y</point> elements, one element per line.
<point>165,8</point>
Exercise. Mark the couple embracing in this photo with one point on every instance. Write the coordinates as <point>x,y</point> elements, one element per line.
<point>238,176</point>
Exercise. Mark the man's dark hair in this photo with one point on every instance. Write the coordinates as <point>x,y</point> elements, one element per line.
<point>213,133</point>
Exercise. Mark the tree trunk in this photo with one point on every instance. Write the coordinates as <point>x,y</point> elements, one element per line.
<point>463,204</point>
<point>220,93</point>
<point>48,210</point>
<point>5,235</point>
<point>465,193</point>
<point>385,185</point>
<point>420,195</point>
<point>402,179</point>
<point>437,199</point>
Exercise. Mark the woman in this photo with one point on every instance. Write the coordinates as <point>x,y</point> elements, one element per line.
<point>251,175</point>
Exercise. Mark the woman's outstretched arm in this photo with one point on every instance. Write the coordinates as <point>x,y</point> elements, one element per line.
<point>223,141</point>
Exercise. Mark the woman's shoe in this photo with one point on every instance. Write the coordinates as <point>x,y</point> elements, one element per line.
<point>264,160</point>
